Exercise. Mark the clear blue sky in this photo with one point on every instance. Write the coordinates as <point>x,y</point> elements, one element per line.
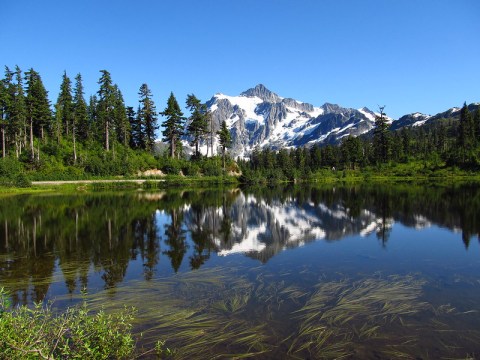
<point>410,55</point>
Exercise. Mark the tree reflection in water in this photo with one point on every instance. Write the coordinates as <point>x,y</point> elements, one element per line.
<point>42,235</point>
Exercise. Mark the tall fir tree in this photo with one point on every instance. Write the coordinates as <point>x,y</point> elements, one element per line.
<point>39,114</point>
<point>173,124</point>
<point>5,104</point>
<point>406,141</point>
<point>351,149</point>
<point>381,138</point>
<point>225,140</point>
<point>476,121</point>
<point>18,113</point>
<point>198,122</point>
<point>80,111</point>
<point>122,126</point>
<point>466,133</point>
<point>135,128</point>
<point>64,112</point>
<point>105,107</point>
<point>147,115</point>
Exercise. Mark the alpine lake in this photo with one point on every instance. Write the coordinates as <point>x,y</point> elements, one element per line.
<point>367,271</point>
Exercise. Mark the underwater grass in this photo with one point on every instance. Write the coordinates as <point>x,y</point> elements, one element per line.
<point>342,315</point>
<point>197,313</point>
<point>219,313</point>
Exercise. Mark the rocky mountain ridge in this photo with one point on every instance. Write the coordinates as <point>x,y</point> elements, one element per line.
<point>259,118</point>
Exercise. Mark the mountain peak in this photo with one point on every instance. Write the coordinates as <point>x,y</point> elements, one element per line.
<point>262,92</point>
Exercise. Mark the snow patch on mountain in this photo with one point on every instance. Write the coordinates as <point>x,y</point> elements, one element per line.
<point>260,118</point>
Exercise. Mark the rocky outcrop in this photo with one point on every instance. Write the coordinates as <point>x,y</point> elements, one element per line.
<point>260,118</point>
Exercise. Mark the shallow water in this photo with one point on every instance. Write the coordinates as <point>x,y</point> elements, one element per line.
<point>365,271</point>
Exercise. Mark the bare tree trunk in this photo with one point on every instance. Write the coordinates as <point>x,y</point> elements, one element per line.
<point>31,139</point>
<point>74,148</point>
<point>172,148</point>
<point>223,155</point>
<point>211,133</point>
<point>107,140</point>
<point>3,141</point>
<point>25,134</point>
<point>58,132</point>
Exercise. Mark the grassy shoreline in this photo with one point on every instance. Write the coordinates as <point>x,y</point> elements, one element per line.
<point>396,174</point>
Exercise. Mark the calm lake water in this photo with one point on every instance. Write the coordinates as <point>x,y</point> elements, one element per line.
<point>360,272</point>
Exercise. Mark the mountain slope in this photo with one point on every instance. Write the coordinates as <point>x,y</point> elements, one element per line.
<point>419,119</point>
<point>260,118</point>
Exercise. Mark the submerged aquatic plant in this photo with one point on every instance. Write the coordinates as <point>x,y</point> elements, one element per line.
<point>199,314</point>
<point>341,316</point>
<point>227,313</point>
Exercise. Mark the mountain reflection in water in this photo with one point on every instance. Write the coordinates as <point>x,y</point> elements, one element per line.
<point>44,235</point>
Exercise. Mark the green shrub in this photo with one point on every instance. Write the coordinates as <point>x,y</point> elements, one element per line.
<point>36,333</point>
<point>171,166</point>
<point>211,167</point>
<point>21,180</point>
<point>190,169</point>
<point>10,166</point>
<point>12,173</point>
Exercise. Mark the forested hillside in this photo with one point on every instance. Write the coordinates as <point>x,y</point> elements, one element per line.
<point>446,146</point>
<point>77,138</point>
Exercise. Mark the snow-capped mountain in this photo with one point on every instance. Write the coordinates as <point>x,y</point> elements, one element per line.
<point>260,118</point>
<point>419,119</point>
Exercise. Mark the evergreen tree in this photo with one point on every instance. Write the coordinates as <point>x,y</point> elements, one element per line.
<point>18,113</point>
<point>198,125</point>
<point>173,124</point>
<point>225,140</point>
<point>329,156</point>
<point>285,163</point>
<point>351,149</point>
<point>121,124</point>
<point>397,147</point>
<point>406,140</point>
<point>39,114</point>
<point>381,138</point>
<point>92,112</point>
<point>147,118</point>
<point>105,107</point>
<point>80,111</point>
<point>5,104</point>
<point>316,157</point>
<point>135,128</point>
<point>466,133</point>
<point>476,121</point>
<point>442,139</point>
<point>64,112</point>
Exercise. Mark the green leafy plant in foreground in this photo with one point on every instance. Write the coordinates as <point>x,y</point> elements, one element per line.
<point>40,333</point>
